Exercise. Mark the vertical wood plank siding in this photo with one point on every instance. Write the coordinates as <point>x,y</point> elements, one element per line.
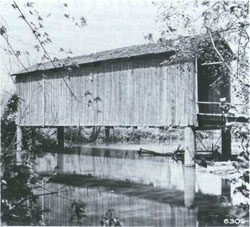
<point>125,92</point>
<point>30,107</point>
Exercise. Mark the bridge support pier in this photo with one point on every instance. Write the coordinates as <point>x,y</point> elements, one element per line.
<point>189,184</point>
<point>226,189</point>
<point>60,163</point>
<point>60,139</point>
<point>60,147</point>
<point>189,146</point>
<point>226,151</point>
<point>107,133</point>
<point>19,144</point>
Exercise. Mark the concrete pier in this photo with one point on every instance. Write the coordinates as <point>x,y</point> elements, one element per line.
<point>189,186</point>
<point>189,146</point>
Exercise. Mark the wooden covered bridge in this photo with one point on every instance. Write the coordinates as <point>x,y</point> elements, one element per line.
<point>131,86</point>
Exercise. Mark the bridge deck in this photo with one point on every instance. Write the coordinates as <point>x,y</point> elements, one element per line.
<point>216,121</point>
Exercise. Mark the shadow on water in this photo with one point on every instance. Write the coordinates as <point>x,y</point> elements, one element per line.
<point>137,191</point>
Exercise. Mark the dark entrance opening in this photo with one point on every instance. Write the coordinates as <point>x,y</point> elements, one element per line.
<point>212,86</point>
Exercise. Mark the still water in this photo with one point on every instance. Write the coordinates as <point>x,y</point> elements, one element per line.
<point>138,190</point>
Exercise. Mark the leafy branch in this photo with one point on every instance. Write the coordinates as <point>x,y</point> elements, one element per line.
<point>3,33</point>
<point>41,44</point>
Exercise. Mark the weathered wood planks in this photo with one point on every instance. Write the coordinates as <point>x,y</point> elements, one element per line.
<point>124,92</point>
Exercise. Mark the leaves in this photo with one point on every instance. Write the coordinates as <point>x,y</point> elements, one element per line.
<point>79,208</point>
<point>171,29</point>
<point>149,37</point>
<point>69,52</point>
<point>14,6</point>
<point>109,219</point>
<point>86,93</point>
<point>3,30</point>
<point>83,21</point>
<point>49,40</point>
<point>227,18</point>
<point>37,47</point>
<point>18,53</point>
<point>205,3</point>
<point>89,103</point>
<point>40,25</point>
<point>30,4</point>
<point>18,201</point>
<point>97,99</point>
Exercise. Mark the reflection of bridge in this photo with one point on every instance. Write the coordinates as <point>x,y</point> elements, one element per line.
<point>131,210</point>
<point>123,166</point>
<point>153,191</point>
<point>127,87</point>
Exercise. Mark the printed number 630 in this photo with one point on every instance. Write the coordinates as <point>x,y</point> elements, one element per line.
<point>234,221</point>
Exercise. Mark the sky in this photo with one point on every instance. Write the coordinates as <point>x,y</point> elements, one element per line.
<point>110,24</point>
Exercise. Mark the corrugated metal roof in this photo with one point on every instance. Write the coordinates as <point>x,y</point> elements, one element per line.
<point>126,52</point>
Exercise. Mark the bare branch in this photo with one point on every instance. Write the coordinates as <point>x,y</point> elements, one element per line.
<point>218,52</point>
<point>34,32</point>
<point>14,52</point>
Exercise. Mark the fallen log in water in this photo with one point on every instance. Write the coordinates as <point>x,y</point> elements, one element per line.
<point>177,155</point>
<point>154,153</point>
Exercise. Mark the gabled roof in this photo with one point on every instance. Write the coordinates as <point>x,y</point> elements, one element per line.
<point>125,52</point>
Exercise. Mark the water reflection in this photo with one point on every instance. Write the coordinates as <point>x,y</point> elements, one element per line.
<point>129,166</point>
<point>131,210</point>
<point>189,190</point>
<point>142,191</point>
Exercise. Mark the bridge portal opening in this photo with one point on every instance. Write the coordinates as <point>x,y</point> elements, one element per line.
<point>212,87</point>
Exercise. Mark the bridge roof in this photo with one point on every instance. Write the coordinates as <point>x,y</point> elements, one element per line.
<point>126,52</point>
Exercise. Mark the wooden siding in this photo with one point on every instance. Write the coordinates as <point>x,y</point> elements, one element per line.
<point>125,92</point>
<point>30,106</point>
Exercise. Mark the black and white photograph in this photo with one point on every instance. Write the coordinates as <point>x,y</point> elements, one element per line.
<point>125,113</point>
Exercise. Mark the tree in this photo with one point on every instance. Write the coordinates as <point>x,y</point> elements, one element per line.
<point>228,18</point>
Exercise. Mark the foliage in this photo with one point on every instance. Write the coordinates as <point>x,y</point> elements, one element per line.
<point>242,132</point>
<point>109,219</point>
<point>35,139</point>
<point>19,202</point>
<point>217,210</point>
<point>80,135</point>
<point>79,211</point>
<point>8,126</point>
<point>227,19</point>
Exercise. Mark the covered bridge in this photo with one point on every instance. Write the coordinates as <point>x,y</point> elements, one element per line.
<point>144,85</point>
